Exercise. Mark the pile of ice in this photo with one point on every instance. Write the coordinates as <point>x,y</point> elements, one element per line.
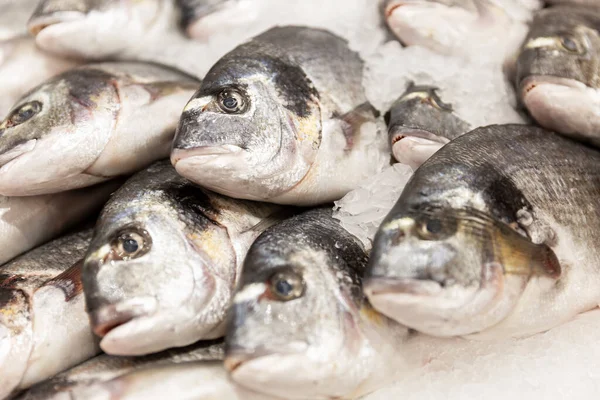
<point>559,364</point>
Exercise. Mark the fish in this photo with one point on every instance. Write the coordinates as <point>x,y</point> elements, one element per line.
<point>282,118</point>
<point>104,372</point>
<point>202,18</point>
<point>26,222</point>
<point>44,328</point>
<point>90,124</point>
<point>574,2</point>
<point>420,123</point>
<point>493,237</point>
<point>557,71</point>
<point>300,326</point>
<point>164,261</point>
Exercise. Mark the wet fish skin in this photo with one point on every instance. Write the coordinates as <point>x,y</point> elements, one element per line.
<point>420,123</point>
<point>43,325</point>
<point>574,2</point>
<point>202,18</point>
<point>100,120</point>
<point>294,126</point>
<point>98,29</point>
<point>300,326</point>
<point>26,222</point>
<point>492,237</point>
<point>557,74</point>
<point>188,248</point>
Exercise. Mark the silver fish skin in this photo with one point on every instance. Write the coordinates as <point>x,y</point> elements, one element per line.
<point>492,237</point>
<point>90,124</point>
<point>99,29</point>
<point>202,18</point>
<point>558,78</point>
<point>44,328</point>
<point>282,118</point>
<point>13,17</point>
<point>164,261</point>
<point>93,377</point>
<point>300,326</point>
<point>420,123</point>
<point>26,222</point>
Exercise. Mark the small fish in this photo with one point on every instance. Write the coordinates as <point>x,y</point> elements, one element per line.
<point>90,124</point>
<point>557,71</point>
<point>282,118</point>
<point>420,123</point>
<point>300,325</point>
<point>26,222</point>
<point>202,18</point>
<point>164,261</point>
<point>494,236</point>
<point>43,325</point>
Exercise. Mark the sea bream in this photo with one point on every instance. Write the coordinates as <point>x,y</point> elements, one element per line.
<point>558,77</point>
<point>420,123</point>
<point>494,236</point>
<point>43,325</point>
<point>26,222</point>
<point>300,326</point>
<point>90,124</point>
<point>202,18</point>
<point>164,261</point>
<point>282,118</point>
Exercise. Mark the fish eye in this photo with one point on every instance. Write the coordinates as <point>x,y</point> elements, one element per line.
<point>571,44</point>
<point>131,244</point>
<point>24,113</point>
<point>286,285</point>
<point>232,101</point>
<point>434,228</point>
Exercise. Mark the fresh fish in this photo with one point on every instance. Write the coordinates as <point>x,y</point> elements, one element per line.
<point>164,261</point>
<point>495,235</point>
<point>420,123</point>
<point>26,222</point>
<point>202,18</point>
<point>90,124</point>
<point>300,325</point>
<point>94,377</point>
<point>43,325</point>
<point>282,118</point>
<point>557,71</point>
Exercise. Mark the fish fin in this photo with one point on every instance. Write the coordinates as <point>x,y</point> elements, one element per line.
<point>274,218</point>
<point>353,120</point>
<point>68,281</point>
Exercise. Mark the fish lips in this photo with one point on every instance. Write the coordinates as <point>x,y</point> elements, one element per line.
<point>107,319</point>
<point>17,151</point>
<point>238,356</point>
<point>413,146</point>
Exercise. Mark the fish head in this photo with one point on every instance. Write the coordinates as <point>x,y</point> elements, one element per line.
<point>243,136</point>
<point>420,123</point>
<point>93,29</point>
<point>436,24</point>
<point>294,322</point>
<point>156,275</point>
<point>55,132</point>
<point>448,271</point>
<point>557,73</point>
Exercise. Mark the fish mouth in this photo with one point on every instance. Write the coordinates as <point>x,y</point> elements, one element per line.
<point>415,287</point>
<point>239,356</point>
<point>210,152</point>
<point>401,132</point>
<point>107,318</point>
<point>529,83</point>
<point>38,23</point>
<point>394,5</point>
<point>413,147</point>
<point>16,152</point>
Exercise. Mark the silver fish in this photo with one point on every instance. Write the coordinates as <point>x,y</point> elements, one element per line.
<point>282,118</point>
<point>557,71</point>
<point>420,123</point>
<point>202,18</point>
<point>43,325</point>
<point>494,236</point>
<point>26,222</point>
<point>164,261</point>
<point>300,325</point>
<point>90,124</point>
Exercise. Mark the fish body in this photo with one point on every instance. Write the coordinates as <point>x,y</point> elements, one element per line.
<point>493,236</point>
<point>300,325</point>
<point>558,77</point>
<point>420,123</point>
<point>164,261</point>
<point>282,118</point>
<point>43,325</point>
<point>202,18</point>
<point>13,17</point>
<point>90,124</point>
<point>26,222</point>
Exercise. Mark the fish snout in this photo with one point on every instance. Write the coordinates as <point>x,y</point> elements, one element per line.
<point>52,12</point>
